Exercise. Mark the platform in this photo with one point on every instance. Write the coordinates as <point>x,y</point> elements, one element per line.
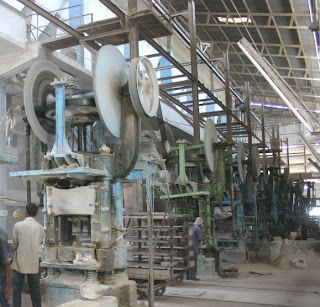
<point>83,173</point>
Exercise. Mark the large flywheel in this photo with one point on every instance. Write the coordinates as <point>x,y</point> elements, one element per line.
<point>109,76</point>
<point>38,94</point>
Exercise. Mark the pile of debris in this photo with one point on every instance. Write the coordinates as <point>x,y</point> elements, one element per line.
<point>294,255</point>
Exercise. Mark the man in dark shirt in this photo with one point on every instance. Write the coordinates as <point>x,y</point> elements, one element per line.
<point>5,268</point>
<point>3,300</point>
<point>196,239</point>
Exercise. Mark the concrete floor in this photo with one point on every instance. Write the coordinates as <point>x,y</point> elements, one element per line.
<point>281,287</point>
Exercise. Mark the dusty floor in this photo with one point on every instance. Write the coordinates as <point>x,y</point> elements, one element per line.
<point>280,286</point>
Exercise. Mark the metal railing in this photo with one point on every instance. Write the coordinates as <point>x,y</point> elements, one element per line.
<point>41,27</point>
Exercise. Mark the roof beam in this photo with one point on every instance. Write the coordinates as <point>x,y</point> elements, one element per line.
<point>269,44</point>
<point>248,14</point>
<point>239,25</point>
<point>280,86</point>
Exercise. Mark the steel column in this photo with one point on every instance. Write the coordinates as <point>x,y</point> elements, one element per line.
<point>3,101</point>
<point>60,117</point>
<point>149,201</point>
<point>229,136</point>
<point>288,158</point>
<point>133,31</point>
<point>121,251</point>
<point>102,233</point>
<point>194,70</point>
<point>27,146</point>
<point>248,109</point>
<point>182,163</point>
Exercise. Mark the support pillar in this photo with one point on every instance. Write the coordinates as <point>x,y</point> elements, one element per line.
<point>121,251</point>
<point>229,137</point>
<point>133,31</point>
<point>194,70</point>
<point>3,101</point>
<point>251,185</point>
<point>27,146</point>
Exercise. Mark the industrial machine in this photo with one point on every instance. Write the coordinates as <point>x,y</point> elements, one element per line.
<point>191,168</point>
<point>93,142</point>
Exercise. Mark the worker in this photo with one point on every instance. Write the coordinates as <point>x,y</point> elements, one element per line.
<point>3,300</point>
<point>27,237</point>
<point>5,287</point>
<point>196,238</point>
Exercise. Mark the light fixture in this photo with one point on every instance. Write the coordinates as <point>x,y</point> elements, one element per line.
<point>235,20</point>
<point>280,86</point>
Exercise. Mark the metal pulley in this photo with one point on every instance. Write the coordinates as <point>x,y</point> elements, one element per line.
<point>143,87</point>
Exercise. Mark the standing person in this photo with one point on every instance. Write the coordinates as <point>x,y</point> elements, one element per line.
<point>27,237</point>
<point>196,239</point>
<point>5,269</point>
<point>3,300</point>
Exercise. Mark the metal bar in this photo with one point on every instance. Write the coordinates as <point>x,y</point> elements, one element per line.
<point>267,44</point>
<point>150,241</point>
<point>305,159</point>
<point>254,14</point>
<point>313,152</point>
<point>104,35</point>
<point>236,25</point>
<point>119,202</point>
<point>178,83</point>
<point>44,13</point>
<point>60,118</point>
<point>133,31</point>
<point>134,52</point>
<point>247,89</point>
<point>182,165</point>
<point>288,158</point>
<point>263,132</point>
<point>27,134</point>
<point>229,139</point>
<point>280,86</point>
<point>169,103</point>
<point>175,101</point>
<point>194,70</point>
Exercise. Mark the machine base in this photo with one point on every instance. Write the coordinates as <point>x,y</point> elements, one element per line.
<point>65,288</point>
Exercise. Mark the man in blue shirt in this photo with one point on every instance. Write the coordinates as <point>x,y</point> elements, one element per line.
<point>196,239</point>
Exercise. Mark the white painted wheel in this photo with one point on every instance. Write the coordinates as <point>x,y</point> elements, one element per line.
<point>143,87</point>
